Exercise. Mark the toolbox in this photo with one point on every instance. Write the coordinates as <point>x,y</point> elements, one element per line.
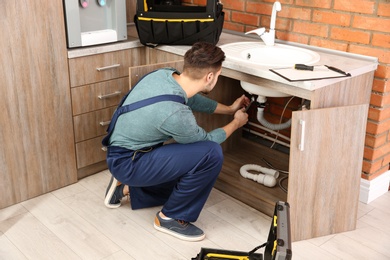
<point>177,24</point>
<point>277,247</point>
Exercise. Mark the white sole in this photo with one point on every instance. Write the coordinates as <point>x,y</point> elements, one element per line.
<point>179,236</point>
<point>109,195</point>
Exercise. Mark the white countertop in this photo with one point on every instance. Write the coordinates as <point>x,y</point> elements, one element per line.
<point>92,50</point>
<point>351,63</point>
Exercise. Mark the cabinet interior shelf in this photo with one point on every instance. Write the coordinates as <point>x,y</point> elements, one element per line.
<point>248,191</point>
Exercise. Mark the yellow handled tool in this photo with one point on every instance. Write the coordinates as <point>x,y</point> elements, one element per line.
<point>223,256</point>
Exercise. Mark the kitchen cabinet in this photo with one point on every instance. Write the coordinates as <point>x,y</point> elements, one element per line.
<point>326,149</point>
<point>37,142</point>
<point>326,152</point>
<point>325,159</point>
<point>98,82</point>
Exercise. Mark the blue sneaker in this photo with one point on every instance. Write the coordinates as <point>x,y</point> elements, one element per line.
<point>178,228</point>
<point>114,194</point>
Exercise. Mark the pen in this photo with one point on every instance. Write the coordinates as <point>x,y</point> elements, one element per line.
<point>338,70</point>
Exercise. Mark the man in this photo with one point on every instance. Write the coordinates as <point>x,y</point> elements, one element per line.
<point>178,175</point>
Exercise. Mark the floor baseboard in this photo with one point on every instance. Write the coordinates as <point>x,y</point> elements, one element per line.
<point>370,190</point>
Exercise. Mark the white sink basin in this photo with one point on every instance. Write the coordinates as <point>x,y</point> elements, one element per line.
<point>279,55</point>
<point>261,91</point>
<point>257,54</point>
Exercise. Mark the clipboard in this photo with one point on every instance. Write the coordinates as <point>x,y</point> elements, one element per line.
<point>318,73</point>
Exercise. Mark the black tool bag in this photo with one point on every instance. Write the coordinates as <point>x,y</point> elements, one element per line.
<point>176,24</point>
<point>277,247</point>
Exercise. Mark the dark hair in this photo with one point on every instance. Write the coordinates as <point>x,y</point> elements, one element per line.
<point>202,58</point>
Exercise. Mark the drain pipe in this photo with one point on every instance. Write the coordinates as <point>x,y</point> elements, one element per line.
<point>263,175</point>
<point>261,100</point>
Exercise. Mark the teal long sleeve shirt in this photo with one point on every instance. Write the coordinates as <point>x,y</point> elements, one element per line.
<point>165,120</point>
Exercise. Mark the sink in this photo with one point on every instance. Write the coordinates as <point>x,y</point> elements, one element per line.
<point>279,55</point>
<point>261,91</point>
<point>257,54</point>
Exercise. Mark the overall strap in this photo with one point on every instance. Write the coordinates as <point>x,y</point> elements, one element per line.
<point>136,105</point>
<point>128,93</point>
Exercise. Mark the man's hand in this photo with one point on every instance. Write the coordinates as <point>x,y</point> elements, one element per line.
<point>241,117</point>
<point>241,102</point>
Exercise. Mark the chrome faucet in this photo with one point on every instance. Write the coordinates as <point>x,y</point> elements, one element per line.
<point>269,37</point>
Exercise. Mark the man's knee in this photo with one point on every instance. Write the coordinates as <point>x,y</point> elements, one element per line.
<point>215,153</point>
<point>216,150</point>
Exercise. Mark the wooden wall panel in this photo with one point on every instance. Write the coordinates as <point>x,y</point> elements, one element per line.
<point>37,144</point>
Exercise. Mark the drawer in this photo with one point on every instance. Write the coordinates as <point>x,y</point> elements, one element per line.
<point>99,95</point>
<point>90,152</point>
<point>92,124</point>
<point>105,66</point>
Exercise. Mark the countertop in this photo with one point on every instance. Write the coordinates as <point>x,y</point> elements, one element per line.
<point>351,63</point>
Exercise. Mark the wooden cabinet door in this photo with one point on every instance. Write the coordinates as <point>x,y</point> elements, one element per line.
<point>137,72</point>
<point>325,170</point>
<point>36,137</point>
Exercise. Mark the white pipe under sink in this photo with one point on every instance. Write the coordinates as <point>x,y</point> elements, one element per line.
<point>266,176</point>
<point>264,122</point>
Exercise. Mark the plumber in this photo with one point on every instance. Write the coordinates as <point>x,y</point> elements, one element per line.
<point>180,175</point>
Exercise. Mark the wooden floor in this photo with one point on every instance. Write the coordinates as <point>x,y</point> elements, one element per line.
<point>73,223</point>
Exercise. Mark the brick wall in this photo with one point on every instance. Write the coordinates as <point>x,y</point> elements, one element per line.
<point>359,26</point>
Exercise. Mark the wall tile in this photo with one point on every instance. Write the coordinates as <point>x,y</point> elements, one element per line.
<point>384,9</point>
<point>350,35</point>
<point>331,17</point>
<point>311,29</point>
<point>381,39</point>
<point>361,6</point>
<point>378,24</point>
<point>316,3</point>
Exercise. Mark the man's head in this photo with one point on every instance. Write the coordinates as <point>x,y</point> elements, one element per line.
<point>204,60</point>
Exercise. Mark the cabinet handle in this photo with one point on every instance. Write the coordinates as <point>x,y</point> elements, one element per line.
<point>104,123</point>
<point>116,93</point>
<point>108,67</point>
<point>302,143</point>
<point>104,149</point>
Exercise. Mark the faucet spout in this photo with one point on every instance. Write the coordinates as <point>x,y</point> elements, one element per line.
<point>275,8</point>
<point>269,37</point>
<point>258,31</point>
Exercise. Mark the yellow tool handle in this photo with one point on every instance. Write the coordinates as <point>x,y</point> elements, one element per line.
<point>223,256</point>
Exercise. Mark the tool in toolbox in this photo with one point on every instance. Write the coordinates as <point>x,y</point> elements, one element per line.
<point>277,247</point>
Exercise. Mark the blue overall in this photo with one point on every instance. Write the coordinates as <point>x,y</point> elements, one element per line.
<point>178,176</point>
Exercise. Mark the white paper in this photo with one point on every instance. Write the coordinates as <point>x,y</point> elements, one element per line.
<point>319,72</point>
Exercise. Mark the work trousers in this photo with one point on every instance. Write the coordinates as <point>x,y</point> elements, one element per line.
<point>178,176</point>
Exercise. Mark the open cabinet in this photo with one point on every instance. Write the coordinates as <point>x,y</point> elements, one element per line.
<point>324,163</point>
<point>325,159</point>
